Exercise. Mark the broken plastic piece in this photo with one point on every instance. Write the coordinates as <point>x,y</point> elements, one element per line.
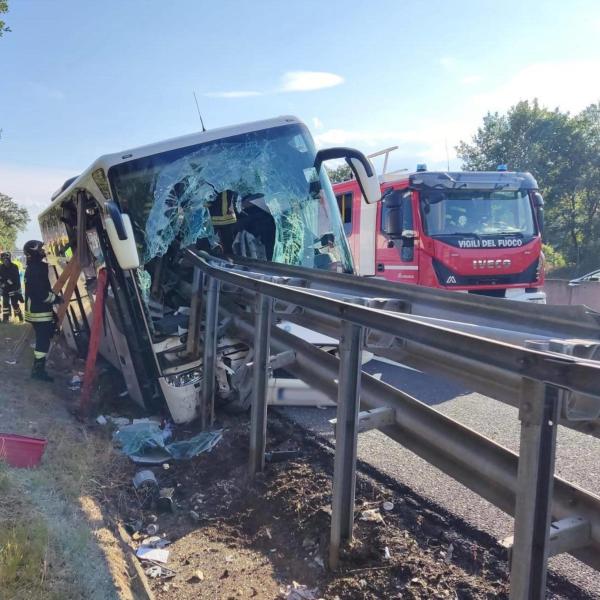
<point>146,443</point>
<point>156,554</point>
<point>373,515</point>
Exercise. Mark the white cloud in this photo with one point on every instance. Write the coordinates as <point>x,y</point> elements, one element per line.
<point>234,94</point>
<point>317,123</point>
<point>31,187</point>
<point>306,81</point>
<point>291,81</point>
<point>570,85</point>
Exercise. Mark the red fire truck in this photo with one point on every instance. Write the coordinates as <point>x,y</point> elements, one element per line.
<point>476,232</point>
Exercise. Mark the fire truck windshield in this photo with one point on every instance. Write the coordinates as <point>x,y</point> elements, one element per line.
<point>480,213</point>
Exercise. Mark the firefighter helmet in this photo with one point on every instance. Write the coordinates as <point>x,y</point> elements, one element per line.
<point>34,249</point>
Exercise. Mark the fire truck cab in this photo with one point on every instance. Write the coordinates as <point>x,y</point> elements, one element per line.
<point>476,232</point>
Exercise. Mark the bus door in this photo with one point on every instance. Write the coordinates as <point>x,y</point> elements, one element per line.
<point>349,202</point>
<point>398,259</point>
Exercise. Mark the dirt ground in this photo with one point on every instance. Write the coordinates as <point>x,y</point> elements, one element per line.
<point>228,537</point>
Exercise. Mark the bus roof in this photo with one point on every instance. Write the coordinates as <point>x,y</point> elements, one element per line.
<point>108,160</point>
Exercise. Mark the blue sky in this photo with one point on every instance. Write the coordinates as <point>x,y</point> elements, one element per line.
<point>79,78</point>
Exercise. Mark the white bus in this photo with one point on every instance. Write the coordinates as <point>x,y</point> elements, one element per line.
<point>256,190</point>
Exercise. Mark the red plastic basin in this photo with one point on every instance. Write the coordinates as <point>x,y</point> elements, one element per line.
<point>20,450</point>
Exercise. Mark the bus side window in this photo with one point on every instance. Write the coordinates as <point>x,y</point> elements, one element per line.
<point>345,205</point>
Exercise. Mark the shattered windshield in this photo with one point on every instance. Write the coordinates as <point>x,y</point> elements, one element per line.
<point>477,212</point>
<point>255,195</point>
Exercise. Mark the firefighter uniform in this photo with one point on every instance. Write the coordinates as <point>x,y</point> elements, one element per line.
<point>10,282</point>
<point>223,217</point>
<point>39,300</point>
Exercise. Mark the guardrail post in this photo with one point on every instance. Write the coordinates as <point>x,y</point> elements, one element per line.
<point>538,414</point>
<point>194,331</point>
<point>207,406</point>
<point>346,437</point>
<point>260,378</point>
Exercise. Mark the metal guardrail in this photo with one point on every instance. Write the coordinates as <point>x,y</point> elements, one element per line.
<point>565,330</point>
<point>521,485</point>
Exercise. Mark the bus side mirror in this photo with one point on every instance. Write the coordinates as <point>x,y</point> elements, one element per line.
<point>120,234</point>
<point>361,166</point>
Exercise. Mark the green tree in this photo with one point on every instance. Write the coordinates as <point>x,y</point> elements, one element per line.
<point>561,151</point>
<point>3,10</point>
<point>13,219</point>
<point>339,174</point>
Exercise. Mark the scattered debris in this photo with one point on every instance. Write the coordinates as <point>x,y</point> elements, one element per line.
<point>75,383</point>
<point>101,420</point>
<point>146,487</point>
<point>386,554</point>
<point>154,571</point>
<point>158,571</point>
<point>195,516</point>
<point>152,529</point>
<point>197,577</point>
<point>373,515</point>
<point>297,591</point>
<point>145,442</point>
<point>155,542</point>
<point>10,362</point>
<point>165,502</point>
<point>132,527</point>
<point>156,554</point>
<point>388,506</point>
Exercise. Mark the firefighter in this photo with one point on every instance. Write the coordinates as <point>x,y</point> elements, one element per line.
<point>39,300</point>
<point>10,282</point>
<point>223,217</point>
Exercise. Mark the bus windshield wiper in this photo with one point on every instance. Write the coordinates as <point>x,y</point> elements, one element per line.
<point>517,233</point>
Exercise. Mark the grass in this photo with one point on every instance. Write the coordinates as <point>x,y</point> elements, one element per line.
<point>4,479</point>
<point>24,551</point>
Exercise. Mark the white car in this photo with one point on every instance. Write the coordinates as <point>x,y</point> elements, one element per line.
<point>593,276</point>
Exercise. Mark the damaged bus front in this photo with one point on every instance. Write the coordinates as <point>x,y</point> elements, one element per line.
<point>256,190</point>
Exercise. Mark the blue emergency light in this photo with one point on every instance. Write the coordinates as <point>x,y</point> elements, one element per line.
<point>421,167</point>
<point>502,168</point>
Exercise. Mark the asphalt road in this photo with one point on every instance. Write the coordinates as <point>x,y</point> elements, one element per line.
<point>578,455</point>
